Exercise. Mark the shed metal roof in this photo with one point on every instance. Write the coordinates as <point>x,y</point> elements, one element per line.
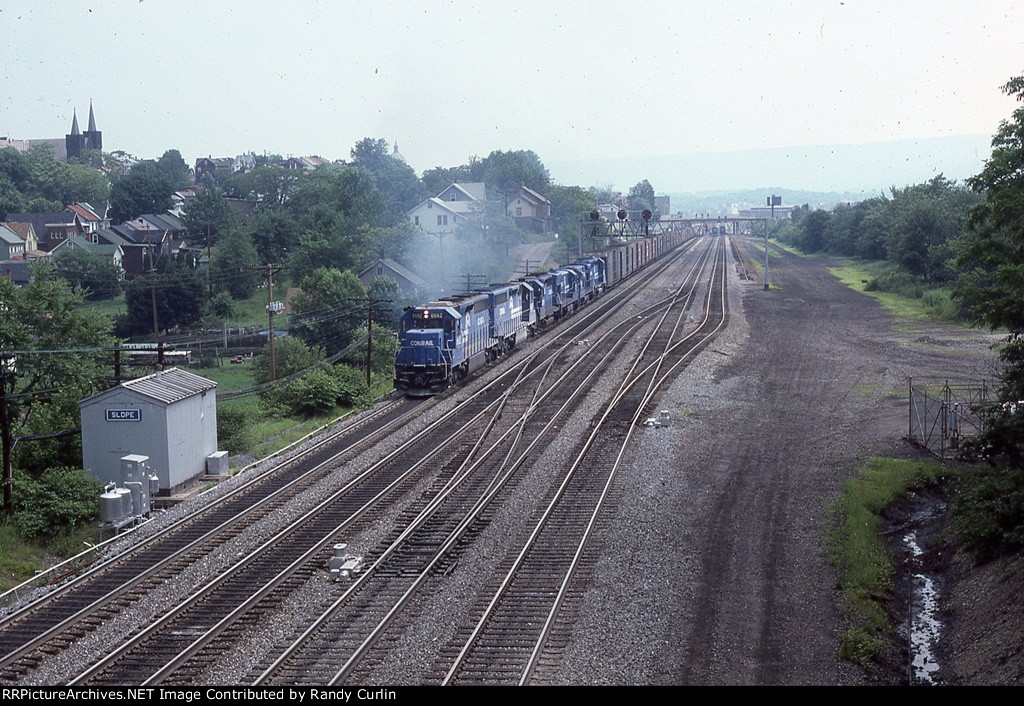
<point>168,386</point>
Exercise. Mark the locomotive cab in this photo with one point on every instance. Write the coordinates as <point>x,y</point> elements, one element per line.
<point>429,342</point>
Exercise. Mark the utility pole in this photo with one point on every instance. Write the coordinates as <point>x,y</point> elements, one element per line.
<point>156,321</point>
<point>773,201</point>
<point>152,292</point>
<point>117,365</point>
<point>526,266</point>
<point>369,339</point>
<point>370,303</point>
<point>272,308</point>
<point>7,442</point>
<point>209,278</point>
<point>766,254</point>
<point>472,279</point>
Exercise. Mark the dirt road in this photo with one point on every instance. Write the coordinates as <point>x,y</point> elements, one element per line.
<point>716,570</point>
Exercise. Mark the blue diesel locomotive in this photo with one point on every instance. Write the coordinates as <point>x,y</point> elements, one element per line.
<point>445,341</point>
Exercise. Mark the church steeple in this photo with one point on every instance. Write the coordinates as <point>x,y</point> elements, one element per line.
<point>78,143</point>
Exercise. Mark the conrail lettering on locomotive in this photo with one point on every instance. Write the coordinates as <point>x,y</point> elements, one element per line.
<point>470,330</point>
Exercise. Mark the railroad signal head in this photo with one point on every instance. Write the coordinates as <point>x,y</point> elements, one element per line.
<point>595,216</point>
<point>622,214</point>
<point>647,214</point>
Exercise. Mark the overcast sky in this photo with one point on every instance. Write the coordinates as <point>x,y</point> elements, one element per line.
<point>447,80</point>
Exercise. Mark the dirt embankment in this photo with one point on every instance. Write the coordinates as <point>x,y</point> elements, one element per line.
<point>716,569</point>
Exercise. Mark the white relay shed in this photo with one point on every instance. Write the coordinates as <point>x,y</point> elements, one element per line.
<point>170,416</point>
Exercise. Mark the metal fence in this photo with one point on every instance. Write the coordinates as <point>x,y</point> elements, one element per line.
<point>943,416</point>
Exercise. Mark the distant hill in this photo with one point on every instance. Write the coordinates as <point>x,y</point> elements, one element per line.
<point>719,202</point>
<point>857,171</point>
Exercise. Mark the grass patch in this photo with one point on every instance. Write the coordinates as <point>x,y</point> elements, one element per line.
<point>253,311</point>
<point>902,296</point>
<point>875,390</point>
<point>21,559</point>
<point>856,549</point>
<point>111,307</point>
<point>792,249</point>
<point>228,375</point>
<point>258,426</point>
<point>759,246</point>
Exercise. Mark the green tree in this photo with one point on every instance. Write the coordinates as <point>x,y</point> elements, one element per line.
<point>291,355</point>
<point>329,305</point>
<point>173,166</point>
<point>438,179</point>
<point>230,266</point>
<point>395,179</point>
<point>64,182</point>
<point>382,352</point>
<point>47,317</point>
<point>814,227</point>
<point>392,302</point>
<point>41,205</point>
<point>926,220</point>
<point>97,276</point>
<point>11,200</point>
<point>992,284</point>
<point>337,198</point>
<point>641,196</point>
<point>504,171</point>
<point>568,205</point>
<point>209,214</point>
<point>275,233</point>
<point>267,185</point>
<point>180,293</point>
<point>15,166</point>
<point>145,189</point>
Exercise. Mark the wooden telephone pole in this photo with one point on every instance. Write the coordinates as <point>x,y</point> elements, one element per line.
<point>272,308</point>
<point>370,303</point>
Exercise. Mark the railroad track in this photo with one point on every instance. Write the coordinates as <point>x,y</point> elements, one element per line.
<point>527,616</point>
<point>42,628</point>
<point>430,545</point>
<point>182,645</point>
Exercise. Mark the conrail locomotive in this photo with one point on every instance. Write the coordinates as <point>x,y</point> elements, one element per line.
<point>444,341</point>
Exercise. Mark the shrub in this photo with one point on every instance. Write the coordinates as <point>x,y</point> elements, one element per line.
<point>55,502</point>
<point>351,386</point>
<point>990,511</point>
<point>321,391</point>
<point>235,427</point>
<point>897,282</point>
<point>291,354</point>
<point>313,394</point>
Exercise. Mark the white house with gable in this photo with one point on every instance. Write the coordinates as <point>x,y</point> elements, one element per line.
<point>457,203</point>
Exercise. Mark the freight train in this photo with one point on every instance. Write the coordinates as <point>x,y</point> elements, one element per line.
<point>445,341</point>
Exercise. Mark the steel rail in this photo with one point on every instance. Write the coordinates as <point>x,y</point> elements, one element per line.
<point>26,648</point>
<point>178,525</point>
<point>279,578</point>
<point>494,486</point>
<point>365,475</point>
<point>540,524</point>
<point>570,572</point>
